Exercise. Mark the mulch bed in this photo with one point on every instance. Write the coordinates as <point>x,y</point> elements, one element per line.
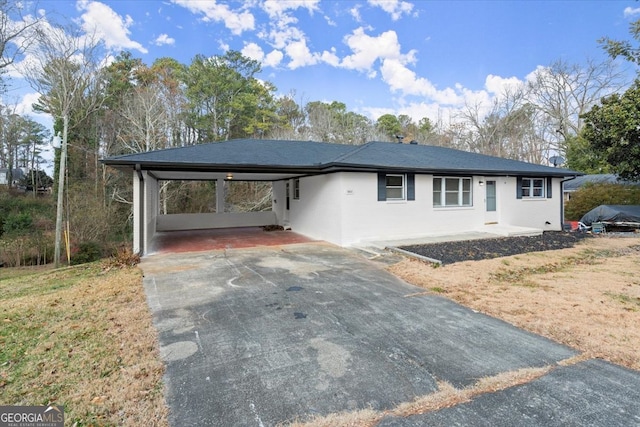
<point>475,250</point>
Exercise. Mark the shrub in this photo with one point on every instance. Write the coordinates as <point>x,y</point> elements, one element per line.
<point>593,195</point>
<point>18,223</point>
<point>87,252</point>
<point>123,257</point>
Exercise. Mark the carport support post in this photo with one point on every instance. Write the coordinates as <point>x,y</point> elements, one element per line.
<point>138,212</point>
<point>219,195</point>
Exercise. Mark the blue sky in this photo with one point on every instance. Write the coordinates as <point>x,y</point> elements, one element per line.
<point>377,56</point>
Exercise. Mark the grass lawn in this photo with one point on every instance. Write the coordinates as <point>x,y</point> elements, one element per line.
<point>81,337</point>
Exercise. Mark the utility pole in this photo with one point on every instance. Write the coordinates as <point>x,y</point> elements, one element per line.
<point>59,209</point>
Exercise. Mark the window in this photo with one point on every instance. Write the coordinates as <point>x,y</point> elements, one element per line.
<point>396,187</point>
<point>296,189</point>
<point>451,192</point>
<point>532,187</point>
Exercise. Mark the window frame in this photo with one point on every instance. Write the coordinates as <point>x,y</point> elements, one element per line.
<point>296,189</point>
<point>529,191</point>
<point>443,191</point>
<point>402,187</point>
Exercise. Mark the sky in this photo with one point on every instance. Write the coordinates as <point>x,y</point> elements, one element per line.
<point>420,58</point>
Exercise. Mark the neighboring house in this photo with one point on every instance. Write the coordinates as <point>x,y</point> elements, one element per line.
<point>348,194</point>
<point>16,175</point>
<point>603,178</point>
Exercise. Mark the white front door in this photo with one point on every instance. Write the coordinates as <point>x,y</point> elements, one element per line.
<point>490,201</point>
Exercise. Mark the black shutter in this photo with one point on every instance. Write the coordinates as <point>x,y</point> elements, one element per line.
<point>519,187</point>
<point>411,186</point>
<point>382,187</point>
<point>549,187</point>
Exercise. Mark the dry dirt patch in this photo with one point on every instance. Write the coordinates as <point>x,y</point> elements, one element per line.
<point>587,297</point>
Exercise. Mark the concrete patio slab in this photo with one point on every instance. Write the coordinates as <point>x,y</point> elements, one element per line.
<point>221,238</point>
<point>266,335</point>
<point>490,231</point>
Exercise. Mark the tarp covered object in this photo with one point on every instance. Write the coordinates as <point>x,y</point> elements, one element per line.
<point>613,214</point>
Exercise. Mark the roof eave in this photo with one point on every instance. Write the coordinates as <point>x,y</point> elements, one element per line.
<point>325,168</point>
<point>448,171</point>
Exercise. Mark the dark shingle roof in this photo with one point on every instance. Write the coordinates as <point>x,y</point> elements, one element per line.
<point>602,178</point>
<point>325,157</point>
<point>245,152</point>
<point>432,158</point>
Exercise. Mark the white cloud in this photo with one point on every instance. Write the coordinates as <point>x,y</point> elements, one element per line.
<point>278,7</point>
<point>400,78</point>
<point>497,85</point>
<point>253,51</point>
<point>368,49</point>
<point>236,21</point>
<point>300,55</point>
<point>629,11</point>
<point>330,21</point>
<point>330,57</point>
<point>355,13</point>
<point>273,58</point>
<point>25,106</point>
<point>282,37</point>
<point>164,39</point>
<point>99,19</point>
<point>395,8</point>
<point>374,113</point>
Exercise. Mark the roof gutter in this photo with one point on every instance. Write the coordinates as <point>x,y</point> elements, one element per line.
<point>562,201</point>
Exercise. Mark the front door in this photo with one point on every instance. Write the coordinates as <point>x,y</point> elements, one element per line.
<point>491,202</point>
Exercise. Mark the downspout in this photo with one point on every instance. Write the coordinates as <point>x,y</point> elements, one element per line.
<point>141,208</point>
<point>562,201</point>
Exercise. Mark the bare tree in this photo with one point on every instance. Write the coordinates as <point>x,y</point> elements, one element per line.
<point>16,32</point>
<point>563,92</point>
<point>65,70</point>
<point>506,129</point>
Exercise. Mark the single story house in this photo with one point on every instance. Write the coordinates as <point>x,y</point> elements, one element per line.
<point>602,178</point>
<point>16,175</point>
<point>349,195</point>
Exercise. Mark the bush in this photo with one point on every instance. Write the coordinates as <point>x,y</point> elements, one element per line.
<point>123,257</point>
<point>593,195</point>
<point>87,252</point>
<point>20,223</point>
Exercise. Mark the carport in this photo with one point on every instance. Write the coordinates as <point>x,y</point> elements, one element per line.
<point>256,161</point>
<point>148,220</point>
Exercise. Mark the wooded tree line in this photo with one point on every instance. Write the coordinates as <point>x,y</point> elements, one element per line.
<point>122,105</point>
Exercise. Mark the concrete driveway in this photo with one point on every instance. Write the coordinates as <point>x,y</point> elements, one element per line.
<point>262,336</point>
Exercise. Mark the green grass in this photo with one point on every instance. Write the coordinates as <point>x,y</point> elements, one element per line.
<point>80,337</point>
